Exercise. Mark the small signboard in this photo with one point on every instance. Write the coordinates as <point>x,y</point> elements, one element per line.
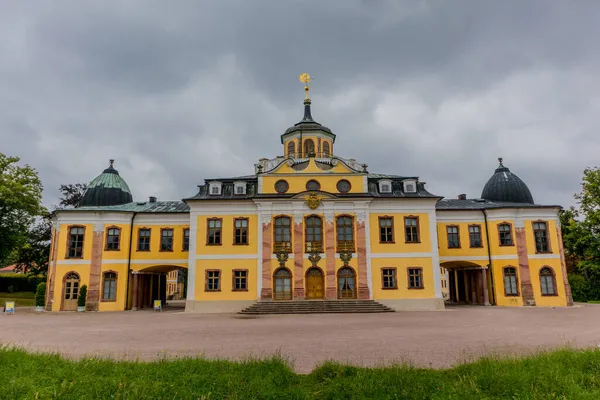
<point>157,305</point>
<point>9,307</point>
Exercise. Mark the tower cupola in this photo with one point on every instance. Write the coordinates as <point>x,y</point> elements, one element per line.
<point>506,187</point>
<point>107,189</point>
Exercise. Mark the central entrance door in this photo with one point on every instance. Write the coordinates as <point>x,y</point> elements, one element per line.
<point>315,284</point>
<point>71,292</point>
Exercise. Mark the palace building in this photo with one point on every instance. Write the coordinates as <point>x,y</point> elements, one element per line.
<point>308,224</point>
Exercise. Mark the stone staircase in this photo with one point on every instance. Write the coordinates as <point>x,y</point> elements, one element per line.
<point>315,307</point>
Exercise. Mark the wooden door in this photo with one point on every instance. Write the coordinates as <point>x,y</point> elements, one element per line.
<point>71,292</point>
<point>315,284</point>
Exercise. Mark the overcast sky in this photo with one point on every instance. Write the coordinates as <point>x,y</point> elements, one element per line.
<point>180,91</point>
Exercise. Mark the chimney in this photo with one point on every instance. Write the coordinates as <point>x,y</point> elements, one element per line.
<point>462,196</point>
<point>152,199</point>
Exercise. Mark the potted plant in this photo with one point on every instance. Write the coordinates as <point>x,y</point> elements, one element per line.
<point>40,297</point>
<point>81,299</point>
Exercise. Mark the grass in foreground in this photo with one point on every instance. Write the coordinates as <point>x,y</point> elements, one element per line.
<point>564,374</point>
<point>21,299</point>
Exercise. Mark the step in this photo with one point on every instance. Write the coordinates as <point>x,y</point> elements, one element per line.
<point>315,306</point>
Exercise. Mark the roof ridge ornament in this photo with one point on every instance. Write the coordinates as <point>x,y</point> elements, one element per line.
<point>500,162</point>
<point>304,77</point>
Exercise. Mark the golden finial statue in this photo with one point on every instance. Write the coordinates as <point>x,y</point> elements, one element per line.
<point>304,77</point>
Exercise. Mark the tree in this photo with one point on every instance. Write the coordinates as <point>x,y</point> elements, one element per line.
<point>20,202</point>
<point>71,194</point>
<point>581,234</point>
<point>32,257</point>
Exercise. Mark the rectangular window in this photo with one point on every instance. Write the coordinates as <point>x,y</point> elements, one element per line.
<point>283,234</point>
<point>213,280</point>
<point>386,230</point>
<point>241,231</point>
<point>144,240</point>
<point>166,239</point>
<point>240,279</point>
<point>475,236</point>
<point>540,232</point>
<point>313,234</point>
<point>214,231</point>
<point>186,239</point>
<point>415,278</point>
<point>453,237</point>
<point>411,228</point>
<point>510,282</point>
<point>388,278</point>
<point>505,235</point>
<point>109,284</point>
<point>112,239</point>
<point>76,235</point>
<point>345,233</point>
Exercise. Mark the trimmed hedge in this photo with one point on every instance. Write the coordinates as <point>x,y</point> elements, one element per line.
<point>19,282</point>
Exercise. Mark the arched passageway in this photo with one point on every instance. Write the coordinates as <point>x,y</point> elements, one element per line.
<point>156,283</point>
<point>467,283</point>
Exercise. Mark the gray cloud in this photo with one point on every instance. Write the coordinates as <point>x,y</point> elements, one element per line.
<point>182,91</point>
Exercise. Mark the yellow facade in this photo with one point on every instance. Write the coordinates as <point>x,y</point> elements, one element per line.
<point>360,250</point>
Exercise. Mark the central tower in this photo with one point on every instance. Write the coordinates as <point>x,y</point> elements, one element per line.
<point>307,138</point>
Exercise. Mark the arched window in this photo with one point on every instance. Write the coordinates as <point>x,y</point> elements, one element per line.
<point>346,283</point>
<point>291,148</point>
<point>548,281</point>
<point>109,286</point>
<point>505,235</point>
<point>283,234</point>
<point>314,234</point>
<point>326,151</point>
<point>345,233</point>
<point>283,284</point>
<point>309,148</point>
<point>113,236</point>
<point>510,281</point>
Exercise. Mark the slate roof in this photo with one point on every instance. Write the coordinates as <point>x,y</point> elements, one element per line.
<point>482,204</point>
<point>307,123</point>
<point>140,207</point>
<point>506,186</point>
<point>107,189</point>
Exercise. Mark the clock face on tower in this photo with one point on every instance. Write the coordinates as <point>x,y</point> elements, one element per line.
<point>281,186</point>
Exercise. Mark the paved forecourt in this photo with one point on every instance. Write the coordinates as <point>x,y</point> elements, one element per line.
<point>428,339</point>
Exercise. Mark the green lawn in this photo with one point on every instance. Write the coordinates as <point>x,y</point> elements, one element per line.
<point>21,299</point>
<point>564,374</point>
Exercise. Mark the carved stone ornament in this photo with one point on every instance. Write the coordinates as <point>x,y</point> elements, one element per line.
<point>361,216</point>
<point>314,258</point>
<point>345,256</point>
<point>329,216</point>
<point>282,257</point>
<point>265,218</point>
<point>313,201</point>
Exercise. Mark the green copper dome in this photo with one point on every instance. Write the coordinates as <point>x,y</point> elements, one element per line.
<point>506,186</point>
<point>107,189</point>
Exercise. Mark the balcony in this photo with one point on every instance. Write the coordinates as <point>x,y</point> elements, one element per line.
<point>282,247</point>
<point>313,247</point>
<point>345,246</point>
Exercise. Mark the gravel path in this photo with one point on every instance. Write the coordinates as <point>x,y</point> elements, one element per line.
<point>428,339</point>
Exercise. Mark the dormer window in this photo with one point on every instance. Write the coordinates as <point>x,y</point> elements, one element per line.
<point>239,188</point>
<point>215,188</point>
<point>385,186</point>
<point>410,186</point>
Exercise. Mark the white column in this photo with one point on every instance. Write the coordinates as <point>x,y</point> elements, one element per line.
<point>192,256</point>
<point>435,258</point>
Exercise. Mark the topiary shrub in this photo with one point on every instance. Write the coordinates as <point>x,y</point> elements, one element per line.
<point>82,296</point>
<point>40,295</point>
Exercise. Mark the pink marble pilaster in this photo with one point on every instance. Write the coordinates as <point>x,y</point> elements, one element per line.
<point>563,267</point>
<point>52,269</point>
<point>93,297</point>
<point>526,286</point>
<point>330,289</point>
<point>266,292</point>
<point>361,250</point>
<point>298,262</point>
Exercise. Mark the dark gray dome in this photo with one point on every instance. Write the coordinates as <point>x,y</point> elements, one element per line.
<point>506,186</point>
<point>107,189</point>
<point>307,123</point>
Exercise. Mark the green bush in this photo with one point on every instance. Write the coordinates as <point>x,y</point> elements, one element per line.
<point>82,296</point>
<point>40,295</point>
<point>19,282</point>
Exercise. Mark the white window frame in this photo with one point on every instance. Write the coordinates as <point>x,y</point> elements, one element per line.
<point>409,182</point>
<point>384,182</point>
<point>212,185</point>
<point>239,184</point>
